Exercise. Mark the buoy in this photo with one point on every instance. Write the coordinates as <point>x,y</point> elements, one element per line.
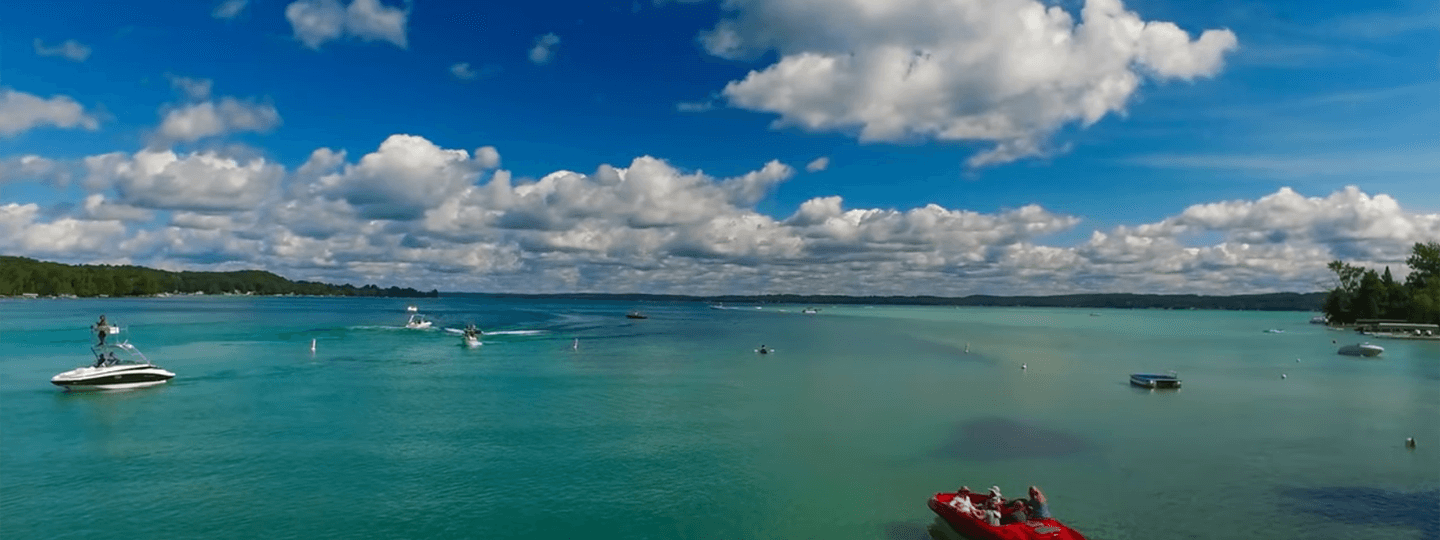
<point>312,345</point>
<point>1282,375</point>
<point>1410,442</point>
<point>1023,366</point>
<point>1297,360</point>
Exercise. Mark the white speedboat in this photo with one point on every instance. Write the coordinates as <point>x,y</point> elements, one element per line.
<point>810,311</point>
<point>412,309</point>
<point>471,337</point>
<point>417,322</point>
<point>1361,349</point>
<point>111,371</point>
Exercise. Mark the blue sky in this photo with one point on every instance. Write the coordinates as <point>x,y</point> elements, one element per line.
<point>701,146</point>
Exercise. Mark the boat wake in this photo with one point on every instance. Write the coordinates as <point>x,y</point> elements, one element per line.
<point>517,333</point>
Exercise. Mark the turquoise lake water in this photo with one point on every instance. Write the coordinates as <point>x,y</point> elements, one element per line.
<point>673,427</point>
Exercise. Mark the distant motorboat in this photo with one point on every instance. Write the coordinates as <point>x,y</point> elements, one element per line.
<point>636,315</point>
<point>412,309</point>
<point>471,337</point>
<point>1274,331</point>
<point>1153,380</point>
<point>1319,319</point>
<point>417,322</point>
<point>1361,349</point>
<point>811,311</point>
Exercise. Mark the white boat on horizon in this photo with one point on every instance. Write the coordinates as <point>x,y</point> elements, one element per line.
<point>412,308</point>
<point>1361,349</point>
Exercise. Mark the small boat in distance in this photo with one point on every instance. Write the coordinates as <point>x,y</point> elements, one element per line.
<point>471,337</point>
<point>1361,349</point>
<point>417,322</point>
<point>111,372</point>
<point>1274,331</point>
<point>1319,319</point>
<point>412,308</point>
<point>636,315</point>
<point>811,311</point>
<point>1154,380</point>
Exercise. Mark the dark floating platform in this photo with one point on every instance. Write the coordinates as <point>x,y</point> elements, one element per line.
<point>1152,380</point>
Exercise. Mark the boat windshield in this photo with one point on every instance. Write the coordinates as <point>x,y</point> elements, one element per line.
<point>106,355</point>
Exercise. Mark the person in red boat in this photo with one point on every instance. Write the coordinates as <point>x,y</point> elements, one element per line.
<point>992,509</point>
<point>963,503</point>
<point>1039,508</point>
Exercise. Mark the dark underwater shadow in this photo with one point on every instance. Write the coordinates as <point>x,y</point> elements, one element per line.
<point>1370,506</point>
<point>997,438</point>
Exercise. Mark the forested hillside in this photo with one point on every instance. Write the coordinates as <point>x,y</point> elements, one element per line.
<point>19,275</point>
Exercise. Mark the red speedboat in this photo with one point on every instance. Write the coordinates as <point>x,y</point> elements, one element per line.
<point>975,528</point>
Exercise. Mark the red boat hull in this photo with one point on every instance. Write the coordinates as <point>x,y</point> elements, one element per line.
<point>970,527</point>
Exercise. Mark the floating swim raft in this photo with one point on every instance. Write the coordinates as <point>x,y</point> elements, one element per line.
<point>1154,380</point>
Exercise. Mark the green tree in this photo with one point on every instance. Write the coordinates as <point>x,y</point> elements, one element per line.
<point>1424,263</point>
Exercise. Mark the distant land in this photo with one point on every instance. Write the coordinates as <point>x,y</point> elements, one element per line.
<point>20,276</point>
<point>1251,302</point>
<point>23,276</point>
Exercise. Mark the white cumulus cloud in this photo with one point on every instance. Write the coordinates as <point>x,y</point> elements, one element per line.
<point>819,164</point>
<point>403,178</point>
<point>207,119</point>
<point>200,181</point>
<point>463,71</point>
<point>544,48</point>
<point>33,167</point>
<point>413,213</point>
<point>23,232</point>
<point>229,9</point>
<point>1007,72</point>
<point>315,22</point>
<point>195,89</point>
<point>20,111</point>
<point>68,49</point>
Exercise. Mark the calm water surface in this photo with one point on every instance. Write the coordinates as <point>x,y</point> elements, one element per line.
<point>673,428</point>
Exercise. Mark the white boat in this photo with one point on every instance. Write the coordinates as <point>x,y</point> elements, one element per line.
<point>412,309</point>
<point>471,337</point>
<point>110,371</point>
<point>1319,319</point>
<point>417,322</point>
<point>810,311</point>
<point>1361,349</point>
<point>1274,331</point>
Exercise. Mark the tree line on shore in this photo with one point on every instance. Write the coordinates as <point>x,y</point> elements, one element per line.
<point>1363,293</point>
<point>1255,302</point>
<point>20,275</point>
